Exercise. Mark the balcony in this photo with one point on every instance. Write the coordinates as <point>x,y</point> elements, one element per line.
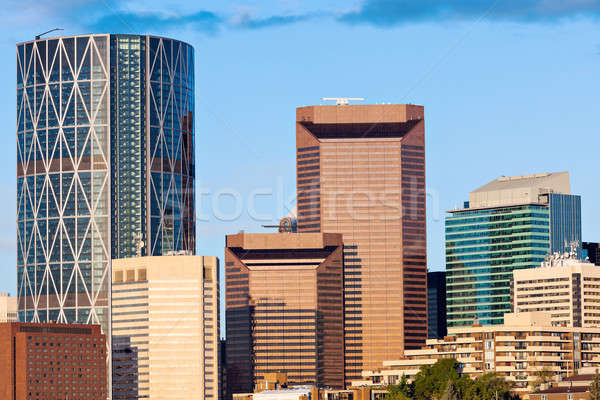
<point>505,338</point>
<point>505,359</point>
<point>506,368</point>
<point>471,370</point>
<point>546,358</point>
<point>545,339</point>
<point>553,349</point>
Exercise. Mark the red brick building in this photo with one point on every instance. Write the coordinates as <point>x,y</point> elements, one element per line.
<point>52,362</point>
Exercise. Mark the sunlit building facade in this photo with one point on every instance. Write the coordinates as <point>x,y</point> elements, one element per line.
<point>8,308</point>
<point>165,324</point>
<point>517,351</point>
<point>565,288</point>
<point>361,173</point>
<point>285,311</point>
<point>52,361</point>
<point>105,161</point>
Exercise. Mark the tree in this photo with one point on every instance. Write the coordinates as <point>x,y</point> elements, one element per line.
<point>489,387</point>
<point>401,391</point>
<point>451,392</point>
<point>442,381</point>
<point>463,386</point>
<point>431,382</point>
<point>543,377</point>
<point>595,387</point>
<point>395,395</point>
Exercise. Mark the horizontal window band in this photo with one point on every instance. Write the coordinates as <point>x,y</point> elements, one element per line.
<point>130,328</point>
<point>131,305</point>
<point>308,155</point>
<point>141,312</point>
<point>313,161</point>
<point>309,148</point>
<point>308,168</point>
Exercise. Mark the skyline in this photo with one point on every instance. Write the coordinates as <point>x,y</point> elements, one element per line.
<point>233,101</point>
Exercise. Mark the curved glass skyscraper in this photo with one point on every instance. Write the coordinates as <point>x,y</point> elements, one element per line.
<point>105,165</point>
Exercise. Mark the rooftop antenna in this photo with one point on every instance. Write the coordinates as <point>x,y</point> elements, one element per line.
<point>342,101</point>
<point>573,245</point>
<point>51,30</point>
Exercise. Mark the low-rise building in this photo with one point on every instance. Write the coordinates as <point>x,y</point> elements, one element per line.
<point>52,361</point>
<point>8,308</point>
<point>274,386</point>
<point>565,287</point>
<point>355,393</point>
<point>517,350</point>
<point>572,388</point>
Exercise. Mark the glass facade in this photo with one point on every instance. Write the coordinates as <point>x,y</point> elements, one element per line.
<point>170,159</point>
<point>436,305</point>
<point>565,222</point>
<point>105,150</point>
<point>591,251</point>
<point>129,149</point>
<point>483,247</point>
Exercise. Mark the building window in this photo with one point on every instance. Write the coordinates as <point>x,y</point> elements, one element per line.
<point>130,275</point>
<point>141,274</point>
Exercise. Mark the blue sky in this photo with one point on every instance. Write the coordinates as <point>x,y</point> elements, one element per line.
<point>509,87</point>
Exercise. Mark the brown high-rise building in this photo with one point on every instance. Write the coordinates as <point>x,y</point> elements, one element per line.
<point>284,309</point>
<point>361,172</point>
<point>52,361</point>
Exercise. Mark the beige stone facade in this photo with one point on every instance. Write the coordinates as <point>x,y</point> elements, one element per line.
<point>8,308</point>
<point>567,289</point>
<point>517,350</point>
<point>165,324</point>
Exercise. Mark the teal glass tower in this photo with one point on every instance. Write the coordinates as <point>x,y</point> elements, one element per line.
<point>510,223</point>
<point>105,166</point>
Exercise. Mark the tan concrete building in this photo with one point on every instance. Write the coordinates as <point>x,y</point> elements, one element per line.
<point>522,189</point>
<point>517,350</point>
<point>566,288</point>
<point>8,308</point>
<point>284,309</point>
<point>165,324</point>
<point>361,172</point>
